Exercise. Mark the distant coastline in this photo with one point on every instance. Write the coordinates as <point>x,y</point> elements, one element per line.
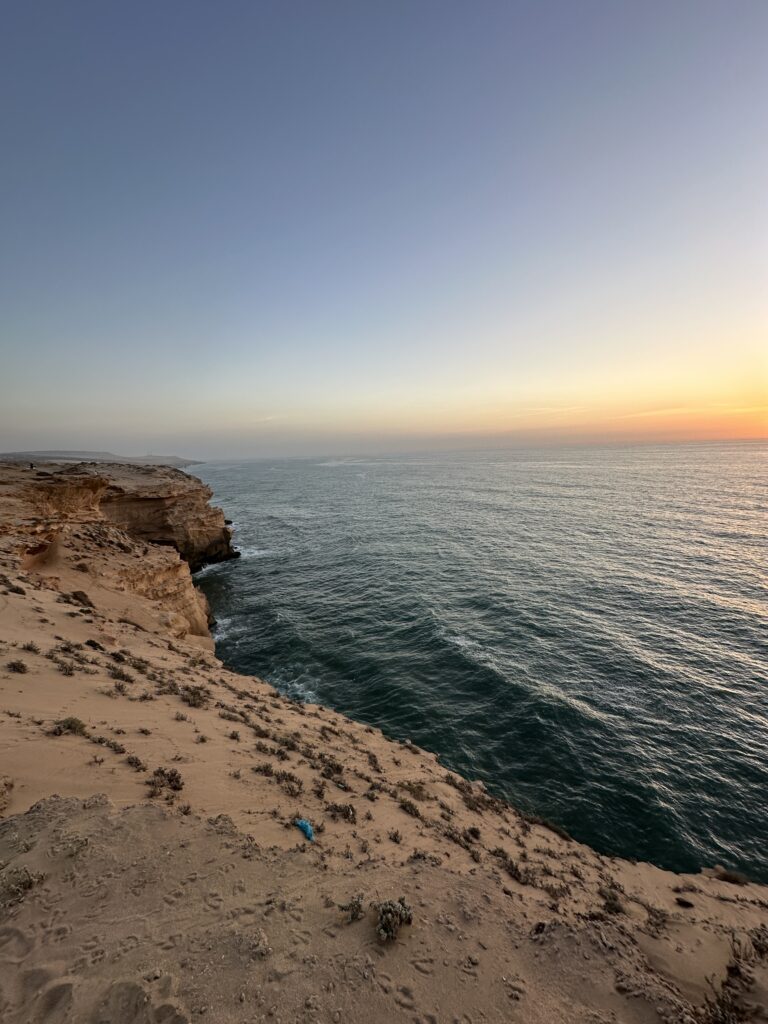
<point>66,455</point>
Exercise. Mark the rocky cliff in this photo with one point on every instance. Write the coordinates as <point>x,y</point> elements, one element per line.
<point>98,518</point>
<point>157,504</point>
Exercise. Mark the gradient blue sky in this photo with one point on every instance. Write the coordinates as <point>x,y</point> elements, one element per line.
<point>261,228</point>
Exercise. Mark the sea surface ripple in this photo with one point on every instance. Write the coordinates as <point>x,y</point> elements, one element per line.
<point>585,630</point>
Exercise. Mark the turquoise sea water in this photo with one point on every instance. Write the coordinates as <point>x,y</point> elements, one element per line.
<point>586,630</point>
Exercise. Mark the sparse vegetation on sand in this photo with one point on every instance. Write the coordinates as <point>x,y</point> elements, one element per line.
<point>165,778</point>
<point>354,908</point>
<point>392,915</point>
<point>74,726</point>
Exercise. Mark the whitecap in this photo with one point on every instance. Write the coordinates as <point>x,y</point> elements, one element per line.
<point>254,552</point>
<point>222,627</point>
<point>295,688</point>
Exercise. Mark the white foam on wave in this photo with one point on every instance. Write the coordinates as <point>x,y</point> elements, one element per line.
<point>222,628</point>
<point>209,570</point>
<point>295,689</point>
<point>254,552</point>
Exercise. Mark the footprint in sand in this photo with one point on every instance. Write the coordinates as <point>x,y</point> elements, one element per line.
<point>33,981</point>
<point>126,945</point>
<point>59,934</point>
<point>214,901</point>
<point>385,982</point>
<point>404,997</point>
<point>55,1003</point>
<point>245,911</point>
<point>14,945</point>
<point>168,1014</point>
<point>125,1002</point>
<point>424,966</point>
<point>515,988</point>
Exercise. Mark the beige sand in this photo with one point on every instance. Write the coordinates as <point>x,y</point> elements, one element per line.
<point>127,902</point>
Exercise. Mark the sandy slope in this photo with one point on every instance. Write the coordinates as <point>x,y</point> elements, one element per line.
<point>127,902</point>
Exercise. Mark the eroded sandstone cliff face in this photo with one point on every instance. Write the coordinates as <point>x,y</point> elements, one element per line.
<point>151,503</point>
<point>109,514</point>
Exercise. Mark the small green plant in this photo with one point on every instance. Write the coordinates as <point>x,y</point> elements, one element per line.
<point>194,696</point>
<point>511,866</point>
<point>392,915</point>
<point>165,778</point>
<point>15,884</point>
<point>291,783</point>
<point>415,789</point>
<point>354,908</point>
<point>17,666</point>
<point>345,811</point>
<point>410,808</point>
<point>115,672</point>
<point>75,726</point>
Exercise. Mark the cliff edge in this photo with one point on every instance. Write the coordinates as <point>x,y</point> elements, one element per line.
<point>180,843</point>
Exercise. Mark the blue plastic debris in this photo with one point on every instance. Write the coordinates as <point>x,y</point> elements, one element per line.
<point>306,828</point>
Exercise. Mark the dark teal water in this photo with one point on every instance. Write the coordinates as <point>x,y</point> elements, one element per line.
<point>586,630</point>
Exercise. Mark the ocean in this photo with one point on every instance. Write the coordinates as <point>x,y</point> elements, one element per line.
<point>584,629</point>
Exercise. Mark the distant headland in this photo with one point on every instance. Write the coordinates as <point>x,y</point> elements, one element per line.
<point>64,455</point>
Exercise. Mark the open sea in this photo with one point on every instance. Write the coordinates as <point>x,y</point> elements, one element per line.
<point>584,629</point>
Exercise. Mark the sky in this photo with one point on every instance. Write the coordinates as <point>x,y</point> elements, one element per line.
<point>253,228</point>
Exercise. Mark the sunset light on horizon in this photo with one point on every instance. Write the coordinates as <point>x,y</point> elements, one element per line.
<point>339,228</point>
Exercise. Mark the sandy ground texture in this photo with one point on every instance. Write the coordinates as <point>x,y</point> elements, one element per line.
<point>151,869</point>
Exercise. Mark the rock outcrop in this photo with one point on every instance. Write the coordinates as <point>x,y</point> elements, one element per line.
<point>131,529</point>
<point>157,504</point>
